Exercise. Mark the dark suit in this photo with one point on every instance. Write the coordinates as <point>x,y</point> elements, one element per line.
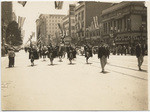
<point>139,50</point>
<point>139,54</point>
<point>102,54</point>
<point>102,51</point>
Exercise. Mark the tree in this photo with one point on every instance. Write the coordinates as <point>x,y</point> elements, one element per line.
<point>13,34</point>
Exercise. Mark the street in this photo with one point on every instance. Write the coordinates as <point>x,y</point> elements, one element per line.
<point>79,86</point>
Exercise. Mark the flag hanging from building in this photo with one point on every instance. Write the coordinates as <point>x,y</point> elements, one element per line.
<point>33,34</point>
<point>23,3</point>
<point>21,21</point>
<point>94,21</point>
<point>58,4</point>
<point>97,24</point>
<point>61,29</point>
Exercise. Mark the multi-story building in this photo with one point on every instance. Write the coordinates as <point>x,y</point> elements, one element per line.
<point>84,14</point>
<point>125,23</point>
<point>69,23</point>
<point>47,26</point>
<point>6,18</point>
<point>6,8</point>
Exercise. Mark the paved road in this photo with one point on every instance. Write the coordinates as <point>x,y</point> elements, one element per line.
<point>79,86</point>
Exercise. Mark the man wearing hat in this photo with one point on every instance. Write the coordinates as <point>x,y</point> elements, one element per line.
<point>11,57</point>
<point>102,55</point>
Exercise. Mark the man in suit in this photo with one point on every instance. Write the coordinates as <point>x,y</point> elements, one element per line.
<point>139,54</point>
<point>102,55</point>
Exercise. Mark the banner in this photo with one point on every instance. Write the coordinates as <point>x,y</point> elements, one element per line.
<point>58,4</point>
<point>23,3</point>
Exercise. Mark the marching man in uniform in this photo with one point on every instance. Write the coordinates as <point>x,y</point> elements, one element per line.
<point>51,53</point>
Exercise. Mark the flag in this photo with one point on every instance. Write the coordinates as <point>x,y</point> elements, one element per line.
<point>19,19</point>
<point>22,21</point>
<point>94,22</point>
<point>61,28</point>
<point>92,25</point>
<point>33,34</point>
<point>97,23</point>
<point>58,4</point>
<point>23,3</point>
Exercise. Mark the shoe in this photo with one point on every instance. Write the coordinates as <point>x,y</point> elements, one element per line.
<point>140,69</point>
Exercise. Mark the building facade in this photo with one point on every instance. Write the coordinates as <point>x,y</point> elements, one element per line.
<point>6,18</point>
<point>84,14</point>
<point>125,24</point>
<point>47,26</point>
<point>69,24</point>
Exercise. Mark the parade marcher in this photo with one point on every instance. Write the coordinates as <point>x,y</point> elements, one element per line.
<point>11,57</point>
<point>139,54</point>
<point>132,50</point>
<point>88,52</point>
<point>102,55</point>
<point>25,49</point>
<point>44,52</point>
<point>60,51</point>
<point>107,51</point>
<point>70,53</point>
<point>33,54</point>
<point>40,51</point>
<point>51,53</point>
<point>124,50</point>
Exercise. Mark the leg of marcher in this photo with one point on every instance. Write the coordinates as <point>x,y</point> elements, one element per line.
<point>139,63</point>
<point>102,66</point>
<point>105,61</point>
<point>13,61</point>
<point>9,62</point>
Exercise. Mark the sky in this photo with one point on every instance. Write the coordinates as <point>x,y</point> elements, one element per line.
<point>33,9</point>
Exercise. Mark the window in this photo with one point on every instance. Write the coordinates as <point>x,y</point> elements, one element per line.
<point>82,15</point>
